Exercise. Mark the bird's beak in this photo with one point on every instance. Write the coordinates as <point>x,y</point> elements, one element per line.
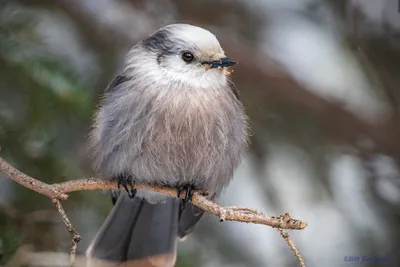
<point>221,63</point>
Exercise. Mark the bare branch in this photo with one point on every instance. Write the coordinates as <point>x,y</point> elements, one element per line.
<point>59,192</point>
<point>240,214</point>
<point>29,182</point>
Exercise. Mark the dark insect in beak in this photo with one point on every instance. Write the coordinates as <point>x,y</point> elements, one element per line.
<point>222,63</point>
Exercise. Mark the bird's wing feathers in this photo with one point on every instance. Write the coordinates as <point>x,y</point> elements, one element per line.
<point>117,81</point>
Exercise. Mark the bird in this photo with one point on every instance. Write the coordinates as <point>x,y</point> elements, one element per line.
<point>172,117</point>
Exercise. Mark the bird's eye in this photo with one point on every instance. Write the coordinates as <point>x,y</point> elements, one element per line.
<point>187,56</point>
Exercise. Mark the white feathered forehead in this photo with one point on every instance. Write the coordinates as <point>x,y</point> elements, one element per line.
<point>202,38</point>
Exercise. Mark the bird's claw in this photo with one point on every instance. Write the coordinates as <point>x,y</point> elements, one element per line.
<point>125,182</point>
<point>189,191</point>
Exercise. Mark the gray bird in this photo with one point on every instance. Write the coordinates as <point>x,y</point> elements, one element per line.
<point>171,118</point>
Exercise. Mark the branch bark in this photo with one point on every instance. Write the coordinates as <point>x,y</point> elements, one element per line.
<point>58,192</point>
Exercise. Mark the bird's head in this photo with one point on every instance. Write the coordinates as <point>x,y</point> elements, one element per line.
<point>183,53</point>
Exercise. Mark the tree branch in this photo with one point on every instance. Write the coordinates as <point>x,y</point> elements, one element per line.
<point>59,191</point>
<point>30,182</point>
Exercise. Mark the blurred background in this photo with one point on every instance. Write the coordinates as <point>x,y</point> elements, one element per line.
<point>319,79</point>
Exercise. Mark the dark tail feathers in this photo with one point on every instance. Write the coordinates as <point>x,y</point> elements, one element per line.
<point>142,234</point>
<point>138,233</point>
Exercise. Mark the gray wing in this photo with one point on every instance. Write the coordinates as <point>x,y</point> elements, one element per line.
<point>120,79</point>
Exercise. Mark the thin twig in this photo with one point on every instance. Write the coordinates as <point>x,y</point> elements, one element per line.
<point>74,234</point>
<point>59,192</point>
<point>286,237</point>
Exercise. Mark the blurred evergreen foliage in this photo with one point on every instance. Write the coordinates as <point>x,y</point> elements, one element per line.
<point>41,99</point>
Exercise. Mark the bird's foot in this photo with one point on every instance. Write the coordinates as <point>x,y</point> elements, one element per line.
<point>189,191</point>
<point>127,181</point>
